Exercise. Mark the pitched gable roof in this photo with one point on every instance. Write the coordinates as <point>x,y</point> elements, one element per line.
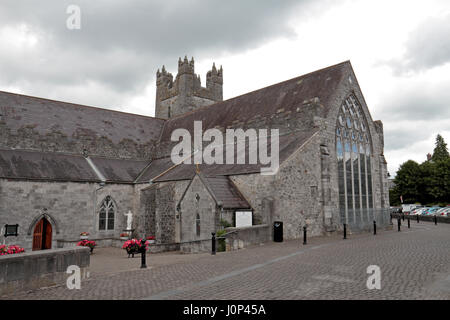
<point>263,103</point>
<point>165,170</point>
<point>222,190</point>
<point>225,192</point>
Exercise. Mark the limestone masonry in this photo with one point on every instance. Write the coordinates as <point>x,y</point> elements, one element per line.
<point>67,168</point>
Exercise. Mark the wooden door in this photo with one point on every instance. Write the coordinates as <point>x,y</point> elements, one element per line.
<point>42,236</point>
<point>37,235</point>
<point>48,236</point>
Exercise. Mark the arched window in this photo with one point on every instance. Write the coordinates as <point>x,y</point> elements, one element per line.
<point>353,150</point>
<point>197,225</point>
<point>107,214</point>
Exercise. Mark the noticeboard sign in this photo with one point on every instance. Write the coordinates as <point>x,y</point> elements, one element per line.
<point>11,230</point>
<point>244,219</point>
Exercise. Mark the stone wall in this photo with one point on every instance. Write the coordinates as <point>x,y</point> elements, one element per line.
<point>204,206</point>
<point>157,211</point>
<point>239,238</point>
<point>33,270</point>
<point>70,207</point>
<point>291,195</point>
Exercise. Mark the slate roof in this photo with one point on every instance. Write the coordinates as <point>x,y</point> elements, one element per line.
<point>287,144</point>
<point>225,192</point>
<point>72,119</point>
<point>262,103</point>
<point>119,170</point>
<point>19,164</point>
<point>36,165</point>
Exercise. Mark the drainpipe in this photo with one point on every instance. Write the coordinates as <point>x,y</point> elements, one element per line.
<point>100,177</point>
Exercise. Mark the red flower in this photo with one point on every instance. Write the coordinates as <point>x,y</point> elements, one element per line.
<point>12,249</point>
<point>87,243</point>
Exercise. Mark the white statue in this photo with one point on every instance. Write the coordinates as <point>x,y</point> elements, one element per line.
<point>129,216</point>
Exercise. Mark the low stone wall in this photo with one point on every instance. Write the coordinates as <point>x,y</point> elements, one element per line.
<point>152,248</point>
<point>238,238</point>
<point>100,243</point>
<point>196,246</point>
<point>36,269</point>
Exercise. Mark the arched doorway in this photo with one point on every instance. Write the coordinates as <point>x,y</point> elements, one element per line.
<point>42,235</point>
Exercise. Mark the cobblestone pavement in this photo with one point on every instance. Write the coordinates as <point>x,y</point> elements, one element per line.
<point>415,264</point>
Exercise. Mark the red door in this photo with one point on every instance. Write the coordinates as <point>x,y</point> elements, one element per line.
<point>42,235</point>
<point>37,235</point>
<point>48,236</point>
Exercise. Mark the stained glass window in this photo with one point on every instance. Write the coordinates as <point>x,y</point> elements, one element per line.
<point>353,150</point>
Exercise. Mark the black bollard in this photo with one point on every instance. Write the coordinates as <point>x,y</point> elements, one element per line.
<point>435,219</point>
<point>345,231</point>
<point>213,243</point>
<point>409,223</point>
<point>374,227</point>
<point>417,218</point>
<point>399,223</point>
<point>304,235</point>
<point>143,257</point>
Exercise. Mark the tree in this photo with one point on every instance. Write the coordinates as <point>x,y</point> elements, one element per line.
<point>437,181</point>
<point>427,183</point>
<point>440,151</point>
<point>408,182</point>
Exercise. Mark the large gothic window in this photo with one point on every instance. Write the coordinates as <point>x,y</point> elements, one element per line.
<point>107,214</point>
<point>353,150</point>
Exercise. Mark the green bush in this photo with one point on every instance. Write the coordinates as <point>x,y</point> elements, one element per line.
<point>221,242</point>
<point>225,223</point>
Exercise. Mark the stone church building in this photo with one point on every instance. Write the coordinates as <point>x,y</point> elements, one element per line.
<point>68,168</point>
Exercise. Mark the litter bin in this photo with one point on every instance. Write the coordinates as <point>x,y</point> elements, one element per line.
<point>278,231</point>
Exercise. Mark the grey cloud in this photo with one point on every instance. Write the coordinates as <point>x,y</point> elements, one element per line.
<point>423,101</point>
<point>427,47</point>
<point>401,138</point>
<point>122,43</point>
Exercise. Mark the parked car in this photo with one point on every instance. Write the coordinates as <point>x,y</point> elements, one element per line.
<point>446,212</point>
<point>417,211</point>
<point>431,211</point>
<point>440,211</point>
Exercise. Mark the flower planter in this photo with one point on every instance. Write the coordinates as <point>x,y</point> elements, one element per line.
<point>134,246</point>
<point>86,243</point>
<point>84,237</point>
<point>123,238</point>
<point>133,251</point>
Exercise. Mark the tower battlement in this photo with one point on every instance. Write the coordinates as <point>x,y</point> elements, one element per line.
<point>185,93</point>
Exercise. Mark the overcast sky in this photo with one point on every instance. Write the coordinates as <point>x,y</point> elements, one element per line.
<point>400,51</point>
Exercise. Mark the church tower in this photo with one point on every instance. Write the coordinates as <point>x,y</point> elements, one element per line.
<point>186,93</point>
